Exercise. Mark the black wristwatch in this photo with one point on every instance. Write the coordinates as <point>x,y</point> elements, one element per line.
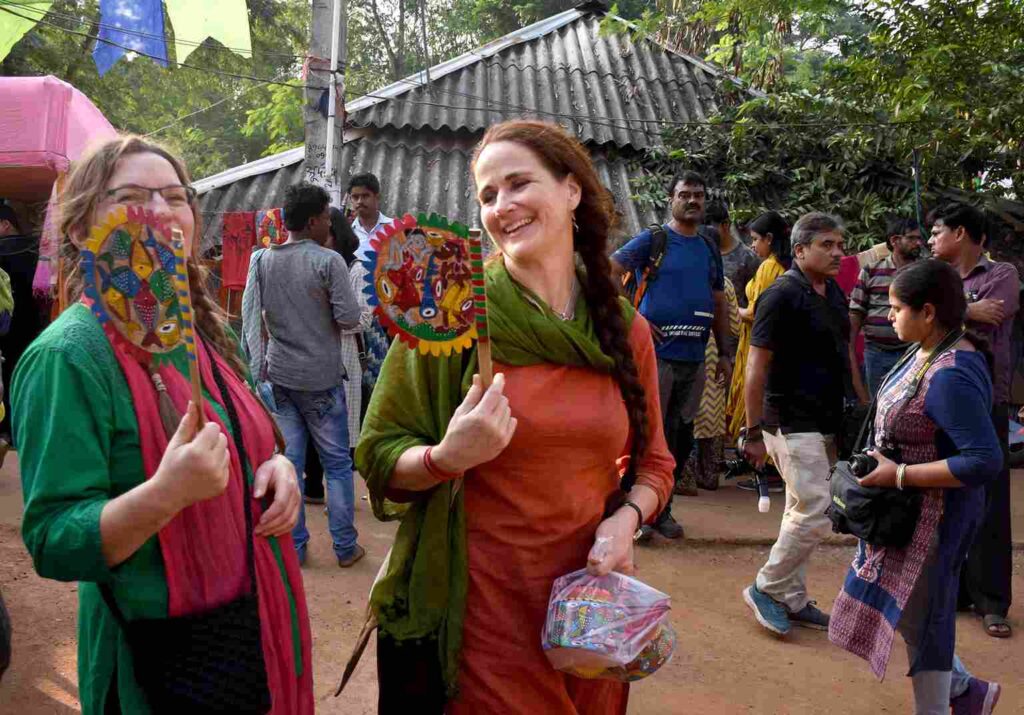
<point>639,514</point>
<point>752,434</point>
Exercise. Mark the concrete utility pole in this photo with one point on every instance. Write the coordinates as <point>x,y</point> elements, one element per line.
<point>324,136</point>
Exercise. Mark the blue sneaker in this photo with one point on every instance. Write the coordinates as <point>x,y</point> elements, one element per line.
<point>769,613</point>
<point>810,616</point>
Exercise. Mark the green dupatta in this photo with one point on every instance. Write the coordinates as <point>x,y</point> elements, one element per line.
<point>421,592</point>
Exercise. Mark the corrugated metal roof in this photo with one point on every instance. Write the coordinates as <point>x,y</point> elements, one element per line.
<point>607,88</point>
<point>615,94</point>
<point>414,177</point>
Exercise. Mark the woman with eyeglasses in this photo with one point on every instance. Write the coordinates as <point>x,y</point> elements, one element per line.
<point>156,525</point>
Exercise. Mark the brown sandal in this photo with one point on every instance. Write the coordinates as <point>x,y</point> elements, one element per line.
<point>997,626</point>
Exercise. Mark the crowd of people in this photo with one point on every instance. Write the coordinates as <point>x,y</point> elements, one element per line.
<point>636,371</point>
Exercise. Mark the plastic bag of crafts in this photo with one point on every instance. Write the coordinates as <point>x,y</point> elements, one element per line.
<point>610,627</point>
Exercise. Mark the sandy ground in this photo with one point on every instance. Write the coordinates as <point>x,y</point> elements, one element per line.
<point>725,663</point>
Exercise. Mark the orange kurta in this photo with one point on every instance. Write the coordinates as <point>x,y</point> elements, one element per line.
<point>531,515</point>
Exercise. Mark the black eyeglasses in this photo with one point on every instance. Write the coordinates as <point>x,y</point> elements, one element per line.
<point>175,195</point>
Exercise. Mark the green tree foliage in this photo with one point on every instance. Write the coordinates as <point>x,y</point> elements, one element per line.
<point>279,120</point>
<point>768,43</point>
<point>953,72</point>
<point>846,112</point>
<point>388,40</point>
<point>392,39</point>
<point>140,96</point>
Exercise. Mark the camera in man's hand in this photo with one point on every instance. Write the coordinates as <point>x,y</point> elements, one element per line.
<point>862,463</point>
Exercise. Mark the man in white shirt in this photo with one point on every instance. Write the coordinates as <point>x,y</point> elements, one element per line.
<point>364,193</point>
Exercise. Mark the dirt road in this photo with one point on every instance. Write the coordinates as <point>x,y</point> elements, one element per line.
<point>725,663</point>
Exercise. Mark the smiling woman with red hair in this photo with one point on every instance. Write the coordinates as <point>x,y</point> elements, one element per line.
<point>559,451</point>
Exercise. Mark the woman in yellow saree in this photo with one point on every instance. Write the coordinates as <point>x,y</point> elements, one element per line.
<point>770,240</point>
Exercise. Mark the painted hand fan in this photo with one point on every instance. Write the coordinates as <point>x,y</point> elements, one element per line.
<point>270,227</point>
<point>136,284</point>
<point>426,283</point>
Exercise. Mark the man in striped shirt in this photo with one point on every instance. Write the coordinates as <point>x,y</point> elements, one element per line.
<point>869,307</point>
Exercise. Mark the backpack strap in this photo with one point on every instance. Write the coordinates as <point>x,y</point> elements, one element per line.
<point>714,251</point>
<point>711,242</point>
<point>659,247</point>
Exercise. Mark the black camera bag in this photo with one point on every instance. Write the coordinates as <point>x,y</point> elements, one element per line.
<point>879,516</point>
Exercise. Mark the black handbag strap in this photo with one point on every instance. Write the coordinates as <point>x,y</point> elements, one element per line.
<point>264,331</point>
<point>869,419</point>
<point>243,457</point>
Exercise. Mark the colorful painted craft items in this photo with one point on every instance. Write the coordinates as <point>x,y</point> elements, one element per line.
<point>184,295</point>
<point>129,272</point>
<point>270,227</point>
<point>424,285</point>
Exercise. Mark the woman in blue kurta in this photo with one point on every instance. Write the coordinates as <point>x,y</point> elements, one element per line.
<point>938,423</point>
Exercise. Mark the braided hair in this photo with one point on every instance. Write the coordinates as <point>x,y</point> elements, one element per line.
<point>595,218</point>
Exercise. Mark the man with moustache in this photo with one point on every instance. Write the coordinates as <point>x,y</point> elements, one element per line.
<point>684,305</point>
<point>993,299</point>
<point>869,307</point>
<point>795,389</point>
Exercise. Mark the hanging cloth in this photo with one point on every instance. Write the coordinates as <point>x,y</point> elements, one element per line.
<point>22,18</point>
<point>238,238</point>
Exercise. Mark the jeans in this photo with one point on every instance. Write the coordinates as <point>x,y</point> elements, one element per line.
<point>680,387</point>
<point>933,689</point>
<point>804,460</point>
<point>877,364</point>
<point>322,415</point>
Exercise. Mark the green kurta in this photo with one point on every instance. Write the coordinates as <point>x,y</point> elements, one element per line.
<point>78,443</point>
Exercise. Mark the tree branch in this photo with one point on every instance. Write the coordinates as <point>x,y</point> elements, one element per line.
<point>399,68</point>
<point>383,33</point>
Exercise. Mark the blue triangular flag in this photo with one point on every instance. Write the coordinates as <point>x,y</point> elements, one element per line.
<point>134,24</point>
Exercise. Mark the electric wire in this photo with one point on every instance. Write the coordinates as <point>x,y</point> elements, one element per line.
<point>496,105</point>
<point>32,7</point>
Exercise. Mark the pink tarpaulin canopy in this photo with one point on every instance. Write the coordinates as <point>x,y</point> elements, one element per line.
<point>45,124</point>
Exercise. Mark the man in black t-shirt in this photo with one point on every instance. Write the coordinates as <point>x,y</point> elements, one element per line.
<point>796,377</point>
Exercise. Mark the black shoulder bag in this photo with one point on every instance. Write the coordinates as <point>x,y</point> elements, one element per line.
<point>880,516</point>
<point>209,662</point>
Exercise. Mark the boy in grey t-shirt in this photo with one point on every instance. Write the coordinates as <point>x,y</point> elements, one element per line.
<point>300,293</point>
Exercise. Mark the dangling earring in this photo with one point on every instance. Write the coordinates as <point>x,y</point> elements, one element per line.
<point>575,226</point>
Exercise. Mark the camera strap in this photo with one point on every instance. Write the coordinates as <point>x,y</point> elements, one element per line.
<point>947,343</point>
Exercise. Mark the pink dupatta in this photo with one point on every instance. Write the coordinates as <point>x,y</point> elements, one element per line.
<point>203,547</point>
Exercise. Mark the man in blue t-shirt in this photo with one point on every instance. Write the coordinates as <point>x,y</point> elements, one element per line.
<point>684,304</point>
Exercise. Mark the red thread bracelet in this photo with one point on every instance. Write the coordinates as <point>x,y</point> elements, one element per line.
<point>435,471</point>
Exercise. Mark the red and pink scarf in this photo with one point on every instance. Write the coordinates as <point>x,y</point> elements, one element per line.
<point>204,546</point>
